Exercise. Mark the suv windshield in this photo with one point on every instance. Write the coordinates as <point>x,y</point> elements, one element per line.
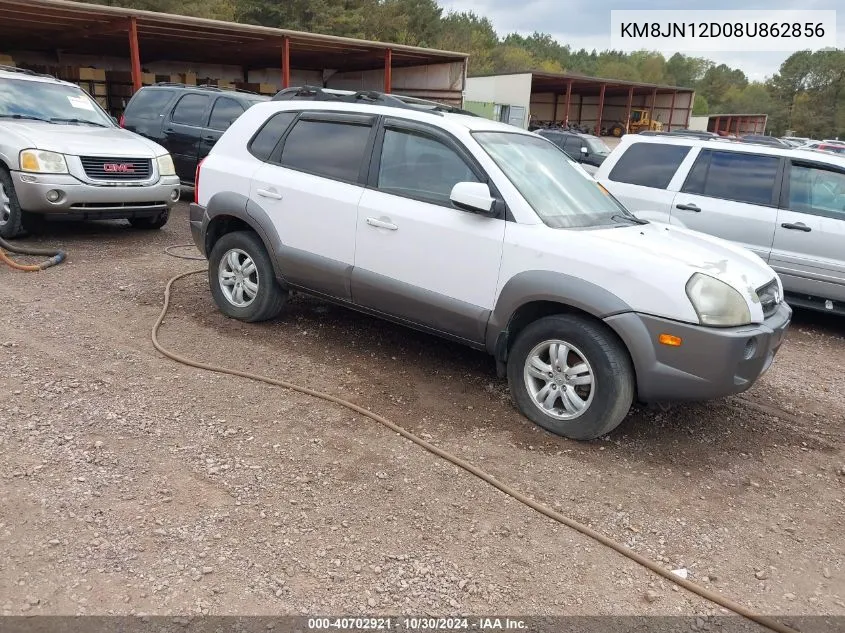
<point>47,101</point>
<point>559,193</point>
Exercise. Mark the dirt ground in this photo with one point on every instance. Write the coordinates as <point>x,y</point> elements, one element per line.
<point>132,484</point>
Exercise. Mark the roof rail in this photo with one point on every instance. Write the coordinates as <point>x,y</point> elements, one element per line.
<point>15,69</point>
<point>372,97</point>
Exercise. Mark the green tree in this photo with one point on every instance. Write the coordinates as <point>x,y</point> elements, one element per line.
<point>700,107</point>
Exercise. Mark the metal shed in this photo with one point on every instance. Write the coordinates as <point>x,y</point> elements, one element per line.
<point>574,98</point>
<point>144,44</point>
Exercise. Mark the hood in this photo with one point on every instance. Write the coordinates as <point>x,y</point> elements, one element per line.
<point>698,252</point>
<point>82,140</point>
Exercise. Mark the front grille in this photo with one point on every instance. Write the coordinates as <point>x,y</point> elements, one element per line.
<point>769,296</point>
<point>93,206</point>
<point>99,168</point>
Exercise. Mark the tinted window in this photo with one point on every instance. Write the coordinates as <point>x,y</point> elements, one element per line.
<point>573,145</point>
<point>224,113</point>
<point>190,110</point>
<point>271,133</point>
<point>326,148</point>
<point>698,174</point>
<point>420,167</point>
<point>148,104</point>
<point>649,164</point>
<point>817,191</point>
<point>739,176</point>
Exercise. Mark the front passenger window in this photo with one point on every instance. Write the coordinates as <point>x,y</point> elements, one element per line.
<point>420,167</point>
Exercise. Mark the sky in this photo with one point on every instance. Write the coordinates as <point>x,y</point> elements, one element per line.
<point>586,23</point>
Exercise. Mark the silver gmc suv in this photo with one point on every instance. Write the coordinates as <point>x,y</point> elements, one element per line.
<point>60,153</point>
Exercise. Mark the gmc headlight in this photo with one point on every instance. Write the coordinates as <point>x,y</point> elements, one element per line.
<point>165,166</point>
<point>43,162</point>
<point>717,303</point>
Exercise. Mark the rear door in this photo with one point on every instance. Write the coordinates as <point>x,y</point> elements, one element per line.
<point>809,244</point>
<point>310,188</point>
<point>224,111</point>
<point>732,195</point>
<point>183,131</point>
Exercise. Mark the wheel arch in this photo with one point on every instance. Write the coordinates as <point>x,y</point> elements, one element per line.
<point>228,212</point>
<point>532,295</point>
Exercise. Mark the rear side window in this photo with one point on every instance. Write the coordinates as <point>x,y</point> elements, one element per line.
<point>224,113</point>
<point>736,176</point>
<point>573,146</point>
<point>148,104</point>
<point>817,191</point>
<point>649,164</point>
<point>326,148</point>
<point>270,134</point>
<point>190,110</point>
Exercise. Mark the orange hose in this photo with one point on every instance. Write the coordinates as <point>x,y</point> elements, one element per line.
<point>27,268</point>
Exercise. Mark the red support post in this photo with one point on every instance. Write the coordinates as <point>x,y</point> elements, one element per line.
<point>653,99</point>
<point>388,63</point>
<point>671,111</point>
<point>730,120</point>
<point>554,107</point>
<point>285,62</point>
<point>134,54</point>
<point>628,109</point>
<point>717,122</point>
<point>601,107</point>
<point>568,98</point>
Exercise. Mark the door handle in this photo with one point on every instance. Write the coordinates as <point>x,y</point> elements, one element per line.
<point>800,226</point>
<point>169,130</point>
<point>689,207</point>
<point>266,193</point>
<point>381,224</point>
<point>209,138</point>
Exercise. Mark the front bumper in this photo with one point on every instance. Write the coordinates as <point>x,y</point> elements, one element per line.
<point>710,362</point>
<point>79,199</point>
<point>199,221</point>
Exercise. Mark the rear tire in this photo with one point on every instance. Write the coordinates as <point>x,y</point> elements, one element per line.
<point>11,214</point>
<point>581,391</point>
<point>150,223</point>
<point>242,280</point>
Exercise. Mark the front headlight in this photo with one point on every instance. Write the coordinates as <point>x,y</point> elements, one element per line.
<point>165,166</point>
<point>43,162</point>
<point>717,303</point>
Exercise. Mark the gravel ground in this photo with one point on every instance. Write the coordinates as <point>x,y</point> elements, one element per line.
<point>132,484</point>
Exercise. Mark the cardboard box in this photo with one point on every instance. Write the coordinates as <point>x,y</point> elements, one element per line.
<point>189,79</point>
<point>6,60</point>
<point>122,77</point>
<point>79,73</point>
<point>263,89</point>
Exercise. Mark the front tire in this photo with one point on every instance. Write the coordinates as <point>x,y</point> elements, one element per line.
<point>150,223</point>
<point>617,131</point>
<point>571,376</point>
<point>242,280</point>
<point>11,214</point>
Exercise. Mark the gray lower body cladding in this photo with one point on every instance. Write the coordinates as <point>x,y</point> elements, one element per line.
<point>709,363</point>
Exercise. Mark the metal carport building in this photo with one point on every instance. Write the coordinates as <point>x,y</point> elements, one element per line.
<point>61,33</point>
<point>574,98</point>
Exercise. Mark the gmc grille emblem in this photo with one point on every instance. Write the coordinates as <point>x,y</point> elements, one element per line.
<point>119,168</point>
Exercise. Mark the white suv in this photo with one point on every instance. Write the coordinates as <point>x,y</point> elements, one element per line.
<point>485,234</point>
<point>786,205</point>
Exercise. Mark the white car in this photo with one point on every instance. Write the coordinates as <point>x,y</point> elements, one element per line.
<point>485,234</point>
<point>786,205</point>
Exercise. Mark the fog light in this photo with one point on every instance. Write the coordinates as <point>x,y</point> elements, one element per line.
<point>750,348</point>
<point>174,195</point>
<point>53,195</point>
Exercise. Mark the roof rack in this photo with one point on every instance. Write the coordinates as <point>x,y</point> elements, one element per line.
<point>15,69</point>
<point>372,97</point>
<point>203,87</point>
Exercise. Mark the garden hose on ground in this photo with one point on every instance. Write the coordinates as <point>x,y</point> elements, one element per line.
<point>648,563</point>
<point>55,256</point>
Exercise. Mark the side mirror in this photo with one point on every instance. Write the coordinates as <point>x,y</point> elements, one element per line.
<point>473,197</point>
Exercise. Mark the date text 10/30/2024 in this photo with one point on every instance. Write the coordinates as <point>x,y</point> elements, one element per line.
<point>415,624</point>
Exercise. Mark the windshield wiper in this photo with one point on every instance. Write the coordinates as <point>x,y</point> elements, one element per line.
<point>24,116</point>
<point>59,120</point>
<point>628,218</point>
